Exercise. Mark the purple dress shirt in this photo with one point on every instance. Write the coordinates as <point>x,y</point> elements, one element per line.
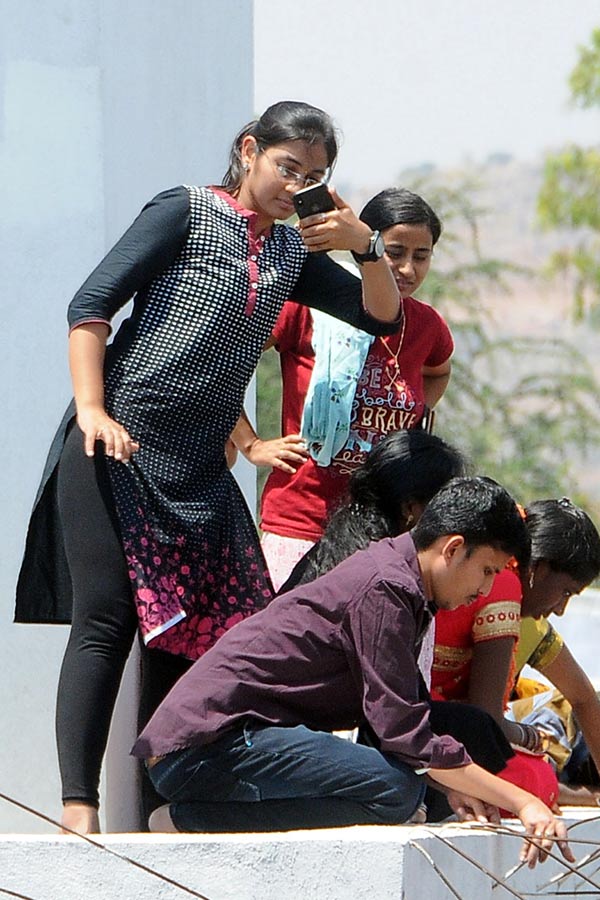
<point>333,654</point>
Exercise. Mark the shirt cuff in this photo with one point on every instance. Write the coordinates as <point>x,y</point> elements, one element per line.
<point>91,321</point>
<point>395,323</point>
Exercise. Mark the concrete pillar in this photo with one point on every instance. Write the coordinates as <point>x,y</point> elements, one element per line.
<point>102,105</point>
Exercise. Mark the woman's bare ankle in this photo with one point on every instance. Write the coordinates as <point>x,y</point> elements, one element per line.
<point>81,817</point>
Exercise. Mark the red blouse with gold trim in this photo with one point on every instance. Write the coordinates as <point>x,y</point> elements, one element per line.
<point>457,632</point>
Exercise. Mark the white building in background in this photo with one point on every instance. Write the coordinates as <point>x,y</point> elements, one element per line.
<point>102,105</point>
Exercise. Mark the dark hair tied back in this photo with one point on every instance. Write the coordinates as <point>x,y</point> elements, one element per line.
<point>399,206</point>
<point>404,467</point>
<point>565,537</point>
<point>288,120</point>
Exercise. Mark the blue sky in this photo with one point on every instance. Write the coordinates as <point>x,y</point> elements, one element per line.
<point>442,81</point>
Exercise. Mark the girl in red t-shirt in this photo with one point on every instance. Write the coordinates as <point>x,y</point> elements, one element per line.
<point>403,376</point>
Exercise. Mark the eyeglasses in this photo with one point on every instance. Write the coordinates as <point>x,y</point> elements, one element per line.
<point>292,177</point>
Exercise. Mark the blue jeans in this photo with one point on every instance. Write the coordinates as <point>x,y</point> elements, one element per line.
<point>267,778</point>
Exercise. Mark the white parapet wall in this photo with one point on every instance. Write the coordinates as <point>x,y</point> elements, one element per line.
<point>361,863</point>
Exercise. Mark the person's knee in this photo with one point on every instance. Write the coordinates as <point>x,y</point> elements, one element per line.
<point>105,633</point>
<point>401,800</point>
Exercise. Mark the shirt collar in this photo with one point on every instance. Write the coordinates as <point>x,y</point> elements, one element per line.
<point>247,213</point>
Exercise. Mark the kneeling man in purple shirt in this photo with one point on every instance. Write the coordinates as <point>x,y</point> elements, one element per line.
<point>243,741</point>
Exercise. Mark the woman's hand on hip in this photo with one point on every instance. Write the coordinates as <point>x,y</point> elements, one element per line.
<point>285,453</point>
<point>340,229</point>
<point>97,425</point>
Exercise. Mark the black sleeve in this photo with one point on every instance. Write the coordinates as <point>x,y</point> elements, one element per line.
<point>147,248</point>
<point>325,285</point>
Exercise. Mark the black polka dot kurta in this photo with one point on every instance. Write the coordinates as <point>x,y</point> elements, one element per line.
<point>207,291</point>
<point>190,542</point>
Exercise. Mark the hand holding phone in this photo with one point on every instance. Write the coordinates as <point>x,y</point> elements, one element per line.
<point>336,232</point>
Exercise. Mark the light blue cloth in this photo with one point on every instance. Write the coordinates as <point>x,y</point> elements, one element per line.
<point>340,354</point>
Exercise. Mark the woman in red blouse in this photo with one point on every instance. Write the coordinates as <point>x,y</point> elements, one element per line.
<point>475,645</point>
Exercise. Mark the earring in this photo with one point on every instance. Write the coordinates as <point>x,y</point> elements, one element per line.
<point>246,167</point>
<point>531,579</point>
<point>409,520</point>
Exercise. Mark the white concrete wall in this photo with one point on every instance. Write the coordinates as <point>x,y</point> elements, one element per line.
<point>102,104</point>
<point>361,863</point>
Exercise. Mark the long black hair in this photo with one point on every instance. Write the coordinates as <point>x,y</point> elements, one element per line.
<point>288,120</point>
<point>404,467</point>
<point>399,206</point>
<point>565,537</point>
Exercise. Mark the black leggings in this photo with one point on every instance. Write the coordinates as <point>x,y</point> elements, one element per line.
<point>103,626</point>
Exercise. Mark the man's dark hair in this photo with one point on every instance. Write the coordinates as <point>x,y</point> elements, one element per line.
<point>565,537</point>
<point>480,510</point>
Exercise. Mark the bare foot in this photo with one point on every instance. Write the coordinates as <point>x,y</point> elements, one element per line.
<point>419,817</point>
<point>160,821</point>
<point>80,817</point>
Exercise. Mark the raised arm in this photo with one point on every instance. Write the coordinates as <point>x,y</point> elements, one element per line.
<point>332,289</point>
<point>341,229</point>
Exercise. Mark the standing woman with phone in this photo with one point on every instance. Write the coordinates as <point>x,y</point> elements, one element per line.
<point>138,520</point>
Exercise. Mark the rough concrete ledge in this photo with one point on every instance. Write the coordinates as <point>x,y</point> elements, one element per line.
<point>379,863</point>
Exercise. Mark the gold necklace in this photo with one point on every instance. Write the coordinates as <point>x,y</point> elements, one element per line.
<point>395,373</point>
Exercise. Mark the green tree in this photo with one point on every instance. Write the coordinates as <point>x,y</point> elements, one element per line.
<point>523,408</point>
<point>569,195</point>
